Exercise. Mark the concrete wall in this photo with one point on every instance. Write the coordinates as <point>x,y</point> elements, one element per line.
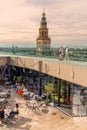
<point>67,72</point>
<point>3,60</point>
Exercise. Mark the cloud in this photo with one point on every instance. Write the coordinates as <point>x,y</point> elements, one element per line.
<point>41,2</point>
<point>3,34</point>
<point>25,32</point>
<point>21,18</point>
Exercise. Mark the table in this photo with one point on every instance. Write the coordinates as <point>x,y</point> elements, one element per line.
<point>33,103</point>
<point>7,83</point>
<point>38,98</point>
<point>26,95</point>
<point>7,113</point>
<point>3,94</point>
<point>2,100</point>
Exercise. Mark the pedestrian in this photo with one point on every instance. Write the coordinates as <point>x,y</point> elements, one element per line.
<point>61,52</point>
<point>67,53</point>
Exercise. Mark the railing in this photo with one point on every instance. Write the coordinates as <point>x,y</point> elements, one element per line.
<point>74,54</point>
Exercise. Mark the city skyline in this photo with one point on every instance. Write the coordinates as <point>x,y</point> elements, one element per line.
<point>20,19</point>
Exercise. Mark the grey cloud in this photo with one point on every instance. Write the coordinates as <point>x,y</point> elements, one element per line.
<point>4,24</point>
<point>47,2</point>
<point>41,2</point>
<point>55,35</point>
<point>35,19</point>
<point>70,37</point>
<point>20,31</point>
<point>3,34</point>
<point>69,21</point>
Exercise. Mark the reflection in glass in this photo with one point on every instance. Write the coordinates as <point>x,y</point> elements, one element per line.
<point>79,107</point>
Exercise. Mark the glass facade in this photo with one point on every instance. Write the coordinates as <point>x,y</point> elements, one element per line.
<point>79,106</point>
<point>70,97</point>
<point>63,96</point>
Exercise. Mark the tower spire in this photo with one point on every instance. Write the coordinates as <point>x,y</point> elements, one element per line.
<point>43,14</point>
<point>43,10</point>
<point>43,23</point>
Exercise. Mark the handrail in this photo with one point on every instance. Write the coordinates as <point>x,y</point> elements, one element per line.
<point>74,54</point>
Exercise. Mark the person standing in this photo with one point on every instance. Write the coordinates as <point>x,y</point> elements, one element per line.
<point>61,52</point>
<point>67,53</point>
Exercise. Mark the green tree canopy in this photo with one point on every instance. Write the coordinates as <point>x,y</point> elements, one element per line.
<point>49,88</point>
<point>19,78</point>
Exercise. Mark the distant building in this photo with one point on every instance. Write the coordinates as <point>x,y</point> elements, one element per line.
<point>43,42</point>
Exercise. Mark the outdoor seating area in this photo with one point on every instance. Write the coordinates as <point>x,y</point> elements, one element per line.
<point>33,102</point>
<point>4,96</point>
<point>33,112</point>
<point>7,101</point>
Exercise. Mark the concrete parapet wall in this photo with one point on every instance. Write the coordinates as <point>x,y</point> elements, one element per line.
<point>71,73</point>
<point>3,60</point>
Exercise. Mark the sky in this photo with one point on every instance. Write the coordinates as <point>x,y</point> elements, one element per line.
<point>20,19</point>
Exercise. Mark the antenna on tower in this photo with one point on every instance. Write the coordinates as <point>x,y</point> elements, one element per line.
<point>43,14</point>
<point>43,10</point>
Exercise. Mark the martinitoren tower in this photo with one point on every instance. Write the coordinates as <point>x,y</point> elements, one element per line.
<point>43,41</point>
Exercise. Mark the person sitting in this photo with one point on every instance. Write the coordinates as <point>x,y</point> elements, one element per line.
<point>20,92</point>
<point>2,114</point>
<point>14,112</point>
<point>25,89</point>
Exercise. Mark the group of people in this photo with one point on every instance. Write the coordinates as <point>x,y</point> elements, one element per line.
<point>64,53</point>
<point>4,116</point>
<point>20,88</point>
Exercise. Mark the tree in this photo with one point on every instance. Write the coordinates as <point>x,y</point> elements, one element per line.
<point>49,88</point>
<point>19,78</point>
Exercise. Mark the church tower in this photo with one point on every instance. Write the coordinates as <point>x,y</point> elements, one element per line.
<point>43,41</point>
